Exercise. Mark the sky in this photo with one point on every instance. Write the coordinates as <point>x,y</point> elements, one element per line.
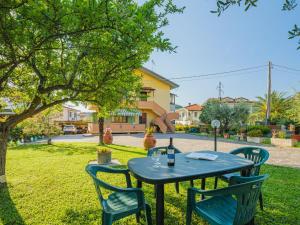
<point>208,44</point>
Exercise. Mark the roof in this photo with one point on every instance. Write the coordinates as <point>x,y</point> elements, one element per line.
<point>233,100</point>
<point>194,107</point>
<point>160,77</point>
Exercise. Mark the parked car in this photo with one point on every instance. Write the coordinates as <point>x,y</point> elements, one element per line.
<point>81,130</point>
<point>70,129</point>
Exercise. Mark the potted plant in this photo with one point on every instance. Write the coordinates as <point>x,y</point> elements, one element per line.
<point>107,137</point>
<point>255,136</point>
<point>149,139</point>
<point>226,134</point>
<point>104,155</point>
<point>279,139</point>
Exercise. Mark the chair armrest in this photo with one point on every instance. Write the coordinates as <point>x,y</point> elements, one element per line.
<point>230,190</point>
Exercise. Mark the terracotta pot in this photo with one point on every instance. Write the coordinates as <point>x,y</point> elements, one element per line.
<point>296,137</point>
<point>149,141</point>
<point>226,135</point>
<point>108,138</point>
<point>104,157</point>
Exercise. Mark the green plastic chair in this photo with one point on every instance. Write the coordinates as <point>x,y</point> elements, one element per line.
<point>163,151</point>
<point>233,205</point>
<point>122,202</point>
<point>256,154</point>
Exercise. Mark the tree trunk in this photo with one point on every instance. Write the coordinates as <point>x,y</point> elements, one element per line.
<point>4,132</point>
<point>101,130</point>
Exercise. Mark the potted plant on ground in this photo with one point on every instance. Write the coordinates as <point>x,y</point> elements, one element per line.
<point>255,136</point>
<point>104,155</point>
<point>107,137</point>
<point>279,139</point>
<point>149,139</point>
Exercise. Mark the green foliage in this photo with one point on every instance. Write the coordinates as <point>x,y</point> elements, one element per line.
<point>281,134</point>
<point>280,106</point>
<point>255,133</point>
<point>264,129</point>
<point>16,133</point>
<point>55,51</point>
<point>41,124</point>
<point>230,117</point>
<point>266,141</point>
<point>59,169</point>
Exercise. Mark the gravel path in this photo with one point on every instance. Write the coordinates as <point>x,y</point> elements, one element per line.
<point>187,142</point>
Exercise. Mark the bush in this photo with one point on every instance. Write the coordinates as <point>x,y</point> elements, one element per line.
<point>281,134</point>
<point>255,133</point>
<point>16,134</point>
<point>179,127</point>
<point>193,129</point>
<point>264,129</point>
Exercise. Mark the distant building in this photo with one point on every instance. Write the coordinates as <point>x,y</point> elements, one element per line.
<point>231,102</point>
<point>189,115</point>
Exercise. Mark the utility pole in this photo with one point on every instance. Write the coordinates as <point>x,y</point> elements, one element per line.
<point>220,90</point>
<point>268,112</point>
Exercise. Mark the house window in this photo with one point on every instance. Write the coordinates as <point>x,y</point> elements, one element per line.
<point>195,114</point>
<point>119,119</point>
<point>143,118</point>
<point>143,96</point>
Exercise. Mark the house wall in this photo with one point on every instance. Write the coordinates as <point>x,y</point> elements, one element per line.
<point>162,90</point>
<point>187,117</point>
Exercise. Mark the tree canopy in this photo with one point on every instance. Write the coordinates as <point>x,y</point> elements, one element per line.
<point>230,117</point>
<point>61,50</point>
<point>280,107</point>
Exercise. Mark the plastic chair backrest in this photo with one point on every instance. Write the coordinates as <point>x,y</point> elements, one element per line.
<point>92,170</point>
<point>162,149</point>
<point>247,191</point>
<point>256,154</point>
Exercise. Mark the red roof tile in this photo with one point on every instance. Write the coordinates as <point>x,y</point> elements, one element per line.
<point>194,107</point>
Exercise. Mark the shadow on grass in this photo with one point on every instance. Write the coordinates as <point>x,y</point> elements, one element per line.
<point>8,211</point>
<point>123,148</point>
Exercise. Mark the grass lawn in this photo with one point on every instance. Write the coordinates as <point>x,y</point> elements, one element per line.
<point>48,185</point>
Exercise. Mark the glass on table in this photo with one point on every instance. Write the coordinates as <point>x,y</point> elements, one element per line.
<point>156,157</point>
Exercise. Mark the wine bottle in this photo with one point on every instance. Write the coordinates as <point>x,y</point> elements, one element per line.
<point>171,153</point>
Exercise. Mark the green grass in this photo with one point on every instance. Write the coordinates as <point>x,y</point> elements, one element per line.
<point>48,185</point>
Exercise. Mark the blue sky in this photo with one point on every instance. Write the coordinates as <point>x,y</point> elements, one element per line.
<point>237,39</point>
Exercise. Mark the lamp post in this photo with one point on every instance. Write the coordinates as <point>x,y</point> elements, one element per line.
<point>215,124</point>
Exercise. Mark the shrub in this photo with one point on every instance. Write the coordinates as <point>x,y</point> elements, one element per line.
<point>16,134</point>
<point>255,133</point>
<point>281,134</point>
<point>264,129</point>
<point>179,127</point>
<point>193,129</point>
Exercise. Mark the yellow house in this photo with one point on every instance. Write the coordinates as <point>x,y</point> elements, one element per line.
<point>156,107</point>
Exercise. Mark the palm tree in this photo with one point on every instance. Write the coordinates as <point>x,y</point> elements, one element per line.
<point>280,104</point>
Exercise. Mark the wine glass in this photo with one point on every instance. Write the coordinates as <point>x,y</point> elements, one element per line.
<point>155,157</point>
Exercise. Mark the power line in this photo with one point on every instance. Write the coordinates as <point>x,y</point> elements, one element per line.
<point>289,72</point>
<point>286,67</point>
<point>219,73</point>
<point>220,76</point>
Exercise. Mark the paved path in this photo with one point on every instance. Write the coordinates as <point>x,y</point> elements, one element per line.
<point>187,142</point>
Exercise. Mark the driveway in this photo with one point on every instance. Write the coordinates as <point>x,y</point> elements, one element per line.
<point>187,142</point>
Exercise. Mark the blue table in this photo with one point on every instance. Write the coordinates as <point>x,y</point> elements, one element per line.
<point>185,169</point>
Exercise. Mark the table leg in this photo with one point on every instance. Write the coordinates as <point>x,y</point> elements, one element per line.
<point>202,187</point>
<point>139,184</point>
<point>160,204</point>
